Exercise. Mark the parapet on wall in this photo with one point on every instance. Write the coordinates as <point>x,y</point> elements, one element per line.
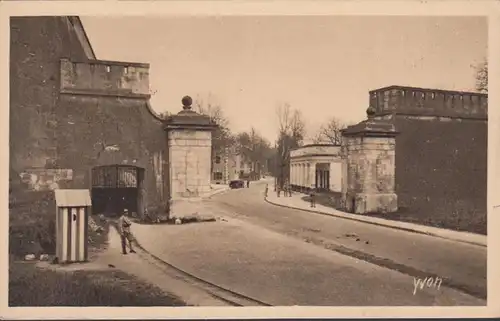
<point>105,78</point>
<point>429,102</point>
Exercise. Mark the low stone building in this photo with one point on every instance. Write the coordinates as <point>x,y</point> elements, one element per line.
<point>316,166</point>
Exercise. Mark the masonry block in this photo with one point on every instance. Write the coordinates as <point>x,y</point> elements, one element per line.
<point>369,167</point>
<point>189,138</point>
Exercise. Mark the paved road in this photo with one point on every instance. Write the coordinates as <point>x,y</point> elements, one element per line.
<point>282,270</point>
<point>461,265</point>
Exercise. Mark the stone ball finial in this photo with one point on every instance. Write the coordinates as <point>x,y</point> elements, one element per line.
<point>370,112</point>
<point>186,102</point>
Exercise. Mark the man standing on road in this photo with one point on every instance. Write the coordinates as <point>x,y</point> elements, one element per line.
<point>267,190</point>
<point>248,183</point>
<point>312,195</point>
<point>124,224</point>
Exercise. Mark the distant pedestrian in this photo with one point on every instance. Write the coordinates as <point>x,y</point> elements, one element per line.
<point>286,190</point>
<point>289,190</point>
<point>278,191</point>
<point>312,196</point>
<point>266,190</point>
<point>124,224</point>
<point>248,183</point>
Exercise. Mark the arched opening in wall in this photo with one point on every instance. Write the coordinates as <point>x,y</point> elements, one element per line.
<point>115,188</point>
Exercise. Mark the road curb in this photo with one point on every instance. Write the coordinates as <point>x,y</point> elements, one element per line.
<point>217,192</point>
<point>380,222</point>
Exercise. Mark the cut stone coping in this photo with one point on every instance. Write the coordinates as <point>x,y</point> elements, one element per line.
<point>464,237</point>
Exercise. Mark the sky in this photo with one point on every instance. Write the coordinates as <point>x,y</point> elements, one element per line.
<point>323,66</point>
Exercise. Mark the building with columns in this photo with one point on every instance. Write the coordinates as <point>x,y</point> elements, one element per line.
<point>316,165</point>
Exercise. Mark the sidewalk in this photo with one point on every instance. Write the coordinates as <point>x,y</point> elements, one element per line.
<point>296,202</point>
<point>281,270</point>
<point>135,264</point>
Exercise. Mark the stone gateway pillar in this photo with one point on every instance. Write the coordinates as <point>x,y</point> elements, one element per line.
<point>369,166</point>
<point>189,136</point>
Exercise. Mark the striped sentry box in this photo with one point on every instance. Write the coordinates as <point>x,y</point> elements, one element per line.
<point>73,210</point>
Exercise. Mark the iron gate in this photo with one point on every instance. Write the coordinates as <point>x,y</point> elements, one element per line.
<point>116,176</point>
<point>115,188</point>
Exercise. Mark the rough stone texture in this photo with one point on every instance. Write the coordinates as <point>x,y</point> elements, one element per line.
<point>46,179</point>
<point>71,112</point>
<point>37,44</point>
<point>88,124</point>
<point>108,78</point>
<point>429,102</point>
<point>370,175</point>
<point>442,165</point>
<point>441,153</point>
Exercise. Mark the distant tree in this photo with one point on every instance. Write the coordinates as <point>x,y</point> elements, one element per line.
<point>482,77</point>
<point>211,109</point>
<point>330,132</point>
<point>255,148</point>
<point>222,138</point>
<point>291,133</point>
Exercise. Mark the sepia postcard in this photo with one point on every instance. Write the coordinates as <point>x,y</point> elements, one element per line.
<point>292,159</point>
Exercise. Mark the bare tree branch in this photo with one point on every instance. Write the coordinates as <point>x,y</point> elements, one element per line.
<point>317,138</point>
<point>331,132</point>
<point>482,77</point>
<point>255,148</point>
<point>222,136</point>
<point>291,133</point>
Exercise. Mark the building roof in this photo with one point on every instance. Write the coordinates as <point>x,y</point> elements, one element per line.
<point>371,127</point>
<point>189,118</point>
<point>314,145</point>
<point>315,150</point>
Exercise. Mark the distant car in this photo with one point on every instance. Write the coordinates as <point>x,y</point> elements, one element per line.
<point>237,184</point>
